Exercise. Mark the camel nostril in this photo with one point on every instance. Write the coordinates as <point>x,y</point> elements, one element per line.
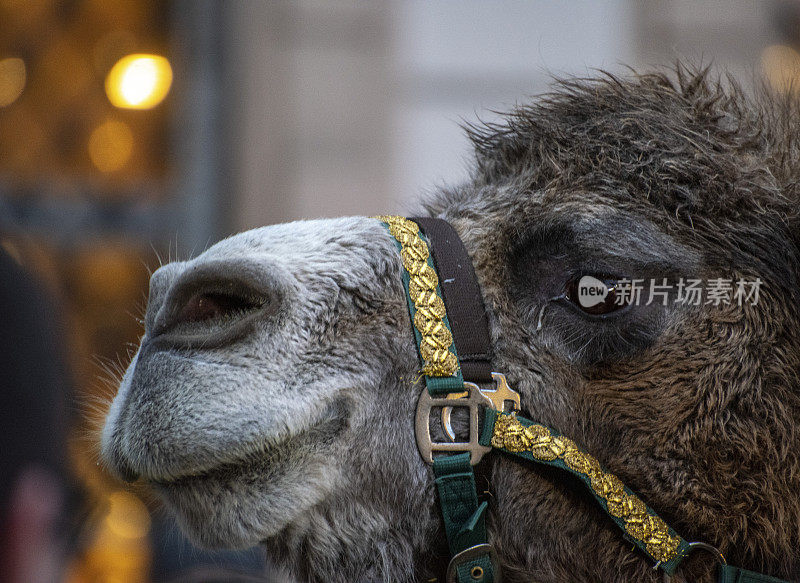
<point>212,304</point>
<point>209,306</point>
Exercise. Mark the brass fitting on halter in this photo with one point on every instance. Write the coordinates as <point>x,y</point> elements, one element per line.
<point>501,398</point>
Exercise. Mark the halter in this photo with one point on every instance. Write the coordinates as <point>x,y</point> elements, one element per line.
<point>452,335</point>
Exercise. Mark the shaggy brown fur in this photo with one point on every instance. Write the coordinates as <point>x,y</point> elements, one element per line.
<point>696,408</point>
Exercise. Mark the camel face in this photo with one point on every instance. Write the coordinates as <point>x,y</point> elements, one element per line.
<point>273,395</point>
<point>261,360</point>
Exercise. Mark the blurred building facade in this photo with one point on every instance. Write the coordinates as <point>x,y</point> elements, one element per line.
<point>277,111</point>
<point>355,108</point>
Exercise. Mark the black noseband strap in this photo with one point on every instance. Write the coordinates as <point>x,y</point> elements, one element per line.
<point>462,296</point>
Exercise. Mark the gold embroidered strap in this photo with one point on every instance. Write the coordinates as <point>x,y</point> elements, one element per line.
<point>538,443</point>
<point>432,330</point>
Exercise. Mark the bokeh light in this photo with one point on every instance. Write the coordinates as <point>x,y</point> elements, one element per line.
<point>111,145</point>
<point>139,81</point>
<point>12,80</point>
<point>781,67</point>
<point>127,516</point>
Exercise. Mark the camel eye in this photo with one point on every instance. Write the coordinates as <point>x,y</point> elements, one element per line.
<point>596,295</point>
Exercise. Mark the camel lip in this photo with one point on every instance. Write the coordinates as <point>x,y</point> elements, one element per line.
<point>185,479</point>
<point>333,419</point>
<point>220,469</point>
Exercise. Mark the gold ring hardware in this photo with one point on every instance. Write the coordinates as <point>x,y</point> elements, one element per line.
<point>699,546</point>
<point>500,396</point>
<point>473,400</point>
<point>474,553</point>
<point>709,548</point>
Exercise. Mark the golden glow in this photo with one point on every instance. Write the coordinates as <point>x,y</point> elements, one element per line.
<point>111,145</point>
<point>139,81</point>
<point>12,80</point>
<point>781,66</point>
<point>127,516</point>
<point>118,549</point>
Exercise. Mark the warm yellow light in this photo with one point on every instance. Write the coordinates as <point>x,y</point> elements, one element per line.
<point>781,66</point>
<point>110,145</point>
<point>127,516</point>
<point>139,81</point>
<point>12,80</point>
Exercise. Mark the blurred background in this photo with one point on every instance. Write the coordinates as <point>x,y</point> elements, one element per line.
<point>135,131</point>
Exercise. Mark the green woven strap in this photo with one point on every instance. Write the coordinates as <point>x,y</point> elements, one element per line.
<point>540,444</point>
<point>731,574</point>
<point>464,518</point>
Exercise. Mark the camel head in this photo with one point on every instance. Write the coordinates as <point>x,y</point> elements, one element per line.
<point>272,398</point>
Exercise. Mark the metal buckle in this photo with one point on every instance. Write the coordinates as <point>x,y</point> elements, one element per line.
<point>500,396</point>
<point>473,398</point>
<point>472,553</point>
<point>422,426</point>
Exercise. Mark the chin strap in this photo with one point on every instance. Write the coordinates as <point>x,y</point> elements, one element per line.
<point>464,521</point>
<point>731,574</point>
<point>464,518</point>
<point>453,382</point>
